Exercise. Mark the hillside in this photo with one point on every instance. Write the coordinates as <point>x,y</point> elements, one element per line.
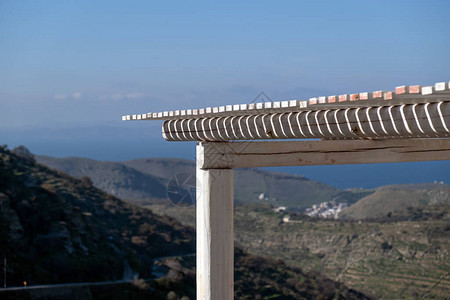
<point>395,198</point>
<point>115,178</point>
<point>251,185</point>
<point>55,228</point>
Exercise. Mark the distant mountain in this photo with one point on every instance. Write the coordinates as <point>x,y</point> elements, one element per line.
<point>163,167</point>
<point>115,178</point>
<point>145,181</point>
<point>127,181</point>
<point>250,185</point>
<point>396,198</point>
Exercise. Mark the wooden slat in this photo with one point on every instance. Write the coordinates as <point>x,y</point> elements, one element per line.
<point>308,153</point>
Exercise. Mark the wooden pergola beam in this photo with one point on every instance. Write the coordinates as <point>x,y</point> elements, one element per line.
<point>309,153</point>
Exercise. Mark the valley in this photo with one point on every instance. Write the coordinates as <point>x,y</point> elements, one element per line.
<point>396,249</point>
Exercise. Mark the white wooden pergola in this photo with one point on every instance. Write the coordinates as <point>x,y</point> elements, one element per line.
<point>409,124</point>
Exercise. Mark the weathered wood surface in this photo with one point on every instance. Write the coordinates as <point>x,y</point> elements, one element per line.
<point>215,240</point>
<point>307,153</point>
<point>402,121</point>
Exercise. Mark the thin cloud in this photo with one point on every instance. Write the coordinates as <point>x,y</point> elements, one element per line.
<point>134,95</point>
<point>74,95</point>
<point>116,97</point>
<point>77,95</point>
<point>60,96</point>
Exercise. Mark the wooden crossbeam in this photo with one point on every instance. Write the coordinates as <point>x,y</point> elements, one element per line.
<point>308,153</point>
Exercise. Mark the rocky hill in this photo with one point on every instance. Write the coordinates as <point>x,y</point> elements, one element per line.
<point>144,181</point>
<point>55,228</point>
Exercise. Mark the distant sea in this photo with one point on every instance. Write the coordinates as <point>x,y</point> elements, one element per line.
<point>125,147</point>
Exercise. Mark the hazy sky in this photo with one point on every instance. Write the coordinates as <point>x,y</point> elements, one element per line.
<point>70,69</point>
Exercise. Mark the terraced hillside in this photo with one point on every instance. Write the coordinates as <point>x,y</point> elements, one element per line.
<point>390,259</point>
<point>399,256</point>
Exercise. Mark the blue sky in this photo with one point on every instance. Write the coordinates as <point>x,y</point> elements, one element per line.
<point>70,69</point>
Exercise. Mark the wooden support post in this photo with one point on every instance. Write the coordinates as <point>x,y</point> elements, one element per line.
<point>215,240</point>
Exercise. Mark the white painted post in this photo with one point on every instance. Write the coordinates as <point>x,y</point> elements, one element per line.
<point>215,240</point>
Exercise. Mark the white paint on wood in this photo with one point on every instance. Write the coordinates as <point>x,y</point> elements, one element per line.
<point>330,152</point>
<point>215,243</point>
<point>427,90</point>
